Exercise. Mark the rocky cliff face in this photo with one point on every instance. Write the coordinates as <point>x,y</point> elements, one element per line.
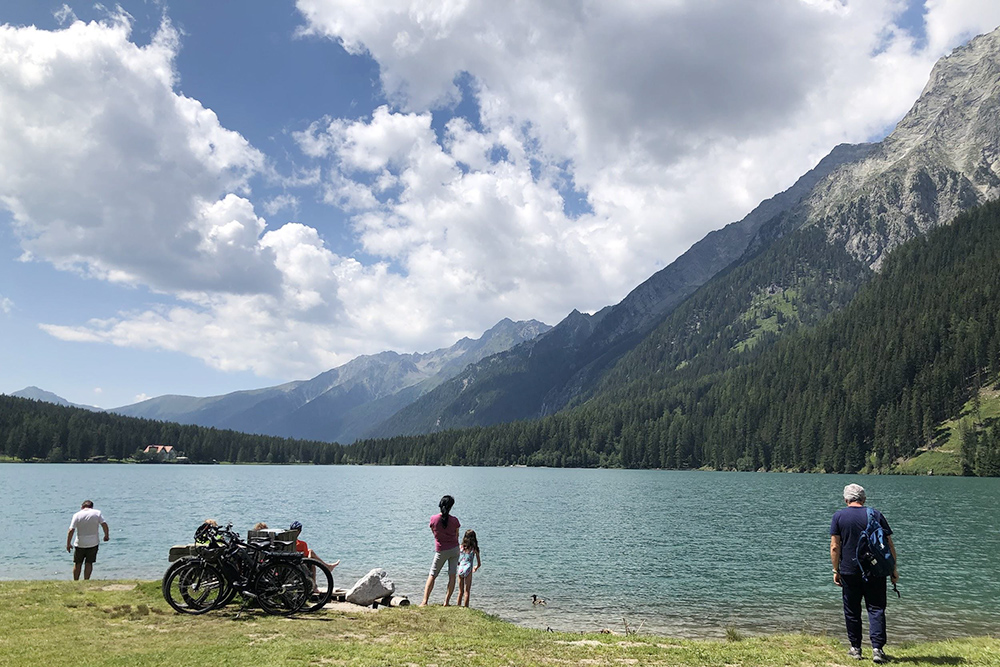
<point>942,158</point>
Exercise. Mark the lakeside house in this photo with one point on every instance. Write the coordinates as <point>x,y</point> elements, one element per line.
<point>162,452</point>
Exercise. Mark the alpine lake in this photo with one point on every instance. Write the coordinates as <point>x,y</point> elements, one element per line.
<point>677,553</point>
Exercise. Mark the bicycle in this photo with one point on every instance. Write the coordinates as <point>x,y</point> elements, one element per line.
<point>226,565</point>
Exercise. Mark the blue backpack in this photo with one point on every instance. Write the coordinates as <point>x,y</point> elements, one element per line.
<point>874,555</point>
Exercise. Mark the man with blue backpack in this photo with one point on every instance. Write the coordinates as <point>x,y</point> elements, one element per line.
<point>863,555</point>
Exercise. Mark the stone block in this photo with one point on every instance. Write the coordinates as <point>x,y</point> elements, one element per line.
<point>373,586</point>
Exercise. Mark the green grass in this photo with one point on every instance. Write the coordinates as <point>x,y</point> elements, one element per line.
<point>936,461</point>
<point>782,301</point>
<point>103,623</point>
<point>989,413</point>
<point>943,459</point>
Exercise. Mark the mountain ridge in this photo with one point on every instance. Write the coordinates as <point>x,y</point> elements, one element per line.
<point>864,390</point>
<point>569,371</point>
<point>37,394</point>
<point>338,404</point>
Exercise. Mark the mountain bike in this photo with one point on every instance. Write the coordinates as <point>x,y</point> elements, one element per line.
<point>225,566</point>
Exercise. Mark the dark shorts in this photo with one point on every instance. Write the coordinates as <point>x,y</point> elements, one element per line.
<point>85,555</point>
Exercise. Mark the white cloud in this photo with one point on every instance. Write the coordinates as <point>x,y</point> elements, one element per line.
<point>108,171</point>
<point>493,240</point>
<point>64,15</point>
<point>227,332</point>
<point>6,305</point>
<point>950,22</point>
<point>659,105</point>
<point>281,203</point>
<point>667,119</point>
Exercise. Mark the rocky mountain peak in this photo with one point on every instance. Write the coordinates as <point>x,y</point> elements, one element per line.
<point>958,107</point>
<point>942,158</point>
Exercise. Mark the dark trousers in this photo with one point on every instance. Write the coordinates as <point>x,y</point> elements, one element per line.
<point>874,594</point>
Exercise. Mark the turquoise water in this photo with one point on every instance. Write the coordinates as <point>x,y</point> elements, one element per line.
<point>679,553</point>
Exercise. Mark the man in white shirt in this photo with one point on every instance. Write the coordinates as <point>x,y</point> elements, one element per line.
<point>86,524</point>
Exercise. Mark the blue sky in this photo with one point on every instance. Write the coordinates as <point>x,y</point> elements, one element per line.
<point>202,197</point>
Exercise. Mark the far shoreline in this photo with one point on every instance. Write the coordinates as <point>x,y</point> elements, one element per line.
<point>867,473</point>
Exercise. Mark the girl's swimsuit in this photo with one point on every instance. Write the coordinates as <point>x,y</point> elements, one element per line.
<point>465,562</point>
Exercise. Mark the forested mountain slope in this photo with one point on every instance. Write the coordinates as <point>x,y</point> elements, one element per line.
<point>874,379</point>
<point>862,389</point>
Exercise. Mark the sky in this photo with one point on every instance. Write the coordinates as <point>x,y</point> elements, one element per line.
<point>199,197</point>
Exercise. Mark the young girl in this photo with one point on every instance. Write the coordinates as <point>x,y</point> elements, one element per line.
<point>469,548</point>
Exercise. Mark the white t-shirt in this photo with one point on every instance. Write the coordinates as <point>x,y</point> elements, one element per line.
<point>87,523</point>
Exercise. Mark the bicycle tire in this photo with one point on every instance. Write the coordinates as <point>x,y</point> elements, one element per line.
<point>180,562</point>
<point>281,588</point>
<point>226,597</point>
<point>194,588</point>
<point>232,576</point>
<point>322,586</point>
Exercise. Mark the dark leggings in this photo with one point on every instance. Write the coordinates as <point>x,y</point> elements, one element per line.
<point>873,592</point>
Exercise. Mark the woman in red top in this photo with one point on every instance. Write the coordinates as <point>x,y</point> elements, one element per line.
<point>445,530</point>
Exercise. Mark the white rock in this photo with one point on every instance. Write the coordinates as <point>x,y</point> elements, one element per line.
<point>373,586</point>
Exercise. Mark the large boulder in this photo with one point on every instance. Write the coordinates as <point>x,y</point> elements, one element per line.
<point>373,586</point>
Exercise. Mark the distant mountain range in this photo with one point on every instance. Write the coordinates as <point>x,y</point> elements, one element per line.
<point>37,394</point>
<point>342,404</point>
<point>339,405</point>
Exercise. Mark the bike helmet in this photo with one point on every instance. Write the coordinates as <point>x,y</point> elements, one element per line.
<point>205,532</point>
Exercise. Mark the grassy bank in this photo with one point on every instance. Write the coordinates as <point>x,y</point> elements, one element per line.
<point>128,624</point>
<point>944,457</point>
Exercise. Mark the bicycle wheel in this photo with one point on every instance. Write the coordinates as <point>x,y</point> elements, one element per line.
<point>321,578</point>
<point>181,562</point>
<point>232,576</point>
<point>194,588</point>
<point>281,588</point>
<point>226,597</point>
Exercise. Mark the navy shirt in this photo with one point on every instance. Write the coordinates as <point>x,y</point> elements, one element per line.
<point>849,523</point>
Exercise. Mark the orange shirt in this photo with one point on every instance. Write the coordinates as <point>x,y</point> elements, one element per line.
<point>302,547</point>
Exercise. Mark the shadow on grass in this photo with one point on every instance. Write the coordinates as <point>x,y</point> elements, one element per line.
<point>253,615</point>
<point>932,660</point>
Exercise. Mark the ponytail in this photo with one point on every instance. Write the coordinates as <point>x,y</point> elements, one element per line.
<point>445,507</point>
